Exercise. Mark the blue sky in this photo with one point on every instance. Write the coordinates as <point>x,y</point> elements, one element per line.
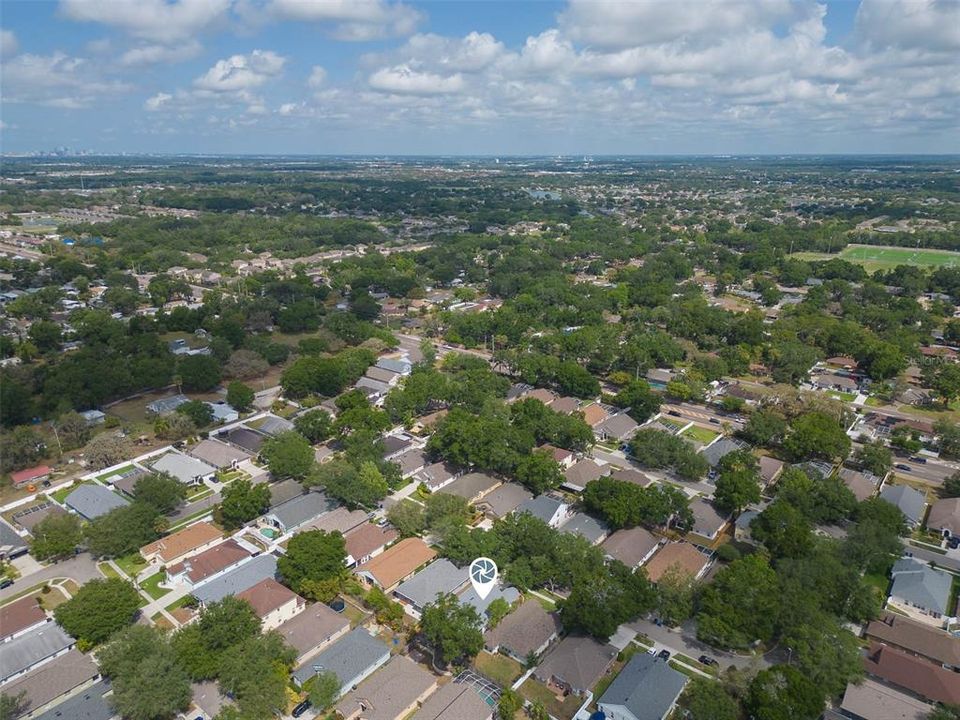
<point>570,77</point>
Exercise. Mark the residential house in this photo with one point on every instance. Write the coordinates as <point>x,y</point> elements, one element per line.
<point>542,394</point>
<point>396,563</point>
<point>437,475</point>
<point>31,476</point>
<point>11,544</point>
<point>944,517</point>
<point>385,376</point>
<point>552,510</point>
<point>920,588</point>
<point>273,425</point>
<point>243,438</point>
<point>411,462</point>
<point>223,412</point>
<point>682,555</point>
<point>587,527</point>
<point>576,477</point>
<point>862,484</point>
<point>284,491</point>
<point>165,406</point>
<point>352,658</point>
<point>526,631</point>
<point>647,688</point>
<point>472,486</point>
<point>373,388</point>
<point>48,684</point>
<point>235,581</point>
<point>503,500</point>
<point>393,445</point>
<point>635,477</point>
<point>916,638</point>
<point>565,405</point>
<point>28,519</point>
<point>469,596</point>
<point>455,701</point>
<point>715,451</point>
<point>870,700</point>
<point>208,564</point>
<point>188,470</point>
<point>310,631</point>
<point>631,546</point>
<point>218,454</point>
<point>91,500</point>
<point>392,693</point>
<point>20,617</point>
<point>293,513</point>
<point>517,391</point>
<point>770,469</point>
<point>594,414</point>
<point>273,603</point>
<point>838,383</point>
<point>742,531</point>
<point>440,577</point>
<point>912,503</point>
<point>33,648</point>
<point>91,703</point>
<point>912,673</point>
<point>366,542</point>
<point>708,522</point>
<point>564,458</point>
<point>575,664</point>
<point>178,546</point>
<point>399,366</point>
<point>339,520</point>
<point>619,427</point>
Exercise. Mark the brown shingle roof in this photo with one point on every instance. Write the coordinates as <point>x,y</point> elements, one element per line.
<point>395,563</point>
<point>913,673</point>
<point>46,683</point>
<point>312,627</point>
<point>388,693</point>
<point>577,661</point>
<point>210,561</point>
<point>945,514</point>
<point>525,630</point>
<point>268,595</point>
<point>594,414</point>
<point>455,701</point>
<point>366,539</point>
<point>682,554</point>
<point>630,546</point>
<point>19,615</point>
<point>916,637</point>
<point>180,543</point>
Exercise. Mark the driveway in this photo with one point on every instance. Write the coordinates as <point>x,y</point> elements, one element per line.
<point>81,568</point>
<point>685,641</point>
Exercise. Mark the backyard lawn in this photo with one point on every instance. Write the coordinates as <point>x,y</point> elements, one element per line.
<point>562,708</point>
<point>499,668</point>
<point>131,564</point>
<point>700,434</point>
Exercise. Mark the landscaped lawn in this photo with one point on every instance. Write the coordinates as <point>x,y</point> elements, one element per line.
<point>51,599</point>
<point>131,564</point>
<point>152,586</point>
<point>845,396</point>
<point>116,473</point>
<point>499,668</point>
<point>700,434</point>
<point>562,709</point>
<point>198,492</point>
<point>107,570</point>
<point>61,494</point>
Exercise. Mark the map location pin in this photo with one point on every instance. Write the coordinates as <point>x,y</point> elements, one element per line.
<point>483,575</point>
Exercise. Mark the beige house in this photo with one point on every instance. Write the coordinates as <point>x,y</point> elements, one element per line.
<point>391,693</point>
<point>273,603</point>
<point>178,546</point>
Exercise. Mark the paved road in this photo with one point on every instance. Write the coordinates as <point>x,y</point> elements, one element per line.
<point>81,568</point>
<point>190,508</point>
<point>615,457</point>
<point>685,641</point>
<point>945,561</point>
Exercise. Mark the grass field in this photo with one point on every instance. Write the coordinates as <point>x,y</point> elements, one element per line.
<point>499,668</point>
<point>884,257</point>
<point>701,435</point>
<point>152,586</point>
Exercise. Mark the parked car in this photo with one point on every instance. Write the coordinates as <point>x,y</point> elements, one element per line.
<point>901,466</point>
<point>707,660</point>
<point>953,543</point>
<point>664,654</point>
<point>6,582</point>
<point>714,421</point>
<point>920,460</point>
<point>673,412</point>
<point>301,708</point>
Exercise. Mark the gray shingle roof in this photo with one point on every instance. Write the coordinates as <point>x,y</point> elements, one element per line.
<point>587,527</point>
<point>471,485</point>
<point>525,630</point>
<point>167,404</point>
<point>398,366</point>
<point>87,705</point>
<point>470,597</point>
<point>441,576</point>
<point>49,681</point>
<point>237,580</point>
<point>184,468</point>
<point>505,499</point>
<point>350,657</point>
<point>294,513</point>
<point>543,507</point>
<point>92,500</point>
<point>578,661</point>
<point>455,701</point>
<point>911,502</point>
<point>273,425</point>
<point>25,651</point>
<point>647,687</point>
<point>214,452</point>
<point>921,585</point>
<point>11,544</point>
<point>707,520</point>
<point>724,446</point>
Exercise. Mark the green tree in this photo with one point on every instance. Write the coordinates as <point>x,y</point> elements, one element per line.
<point>738,484</point>
<point>874,457</point>
<point>123,530</point>
<point>363,488</point>
<point>98,609</point>
<point>951,486</point>
<point>174,426</point>
<point>539,472</point>
<point>148,682</point>
<point>74,430</point>
<point>601,602</point>
<point>201,646</point>
<point>709,700</point>
<point>56,536</point>
<point>452,629</point>
<point>311,557</point>
<point>240,396</point>
<point>784,693</point>
<point>510,704</point>
<point>241,501</point>
<point>783,529</point>
<point>675,594</point>
<point>825,653</point>
<point>198,373</point>
<point>161,491</point>
<point>740,606</point>
<point>640,401</point>
<point>256,672</point>
<point>407,517</point>
<point>288,455</point>
<point>764,427</point>
<point>497,610</point>
<point>443,509</point>
<point>198,411</point>
<point>816,435</point>
<point>324,690</point>
<point>106,449</point>
<point>315,425</point>
<point>11,706</point>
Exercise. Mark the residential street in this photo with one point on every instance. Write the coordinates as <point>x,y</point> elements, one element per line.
<point>685,641</point>
<point>81,568</point>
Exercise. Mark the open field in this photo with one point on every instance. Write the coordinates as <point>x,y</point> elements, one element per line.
<point>884,257</point>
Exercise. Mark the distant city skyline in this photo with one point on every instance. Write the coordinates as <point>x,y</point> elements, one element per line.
<point>375,77</point>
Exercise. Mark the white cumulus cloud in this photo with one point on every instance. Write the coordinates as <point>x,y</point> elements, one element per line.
<point>358,20</point>
<point>404,80</point>
<point>241,72</point>
<point>157,20</point>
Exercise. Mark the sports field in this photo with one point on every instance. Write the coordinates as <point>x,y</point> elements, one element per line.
<point>884,257</point>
